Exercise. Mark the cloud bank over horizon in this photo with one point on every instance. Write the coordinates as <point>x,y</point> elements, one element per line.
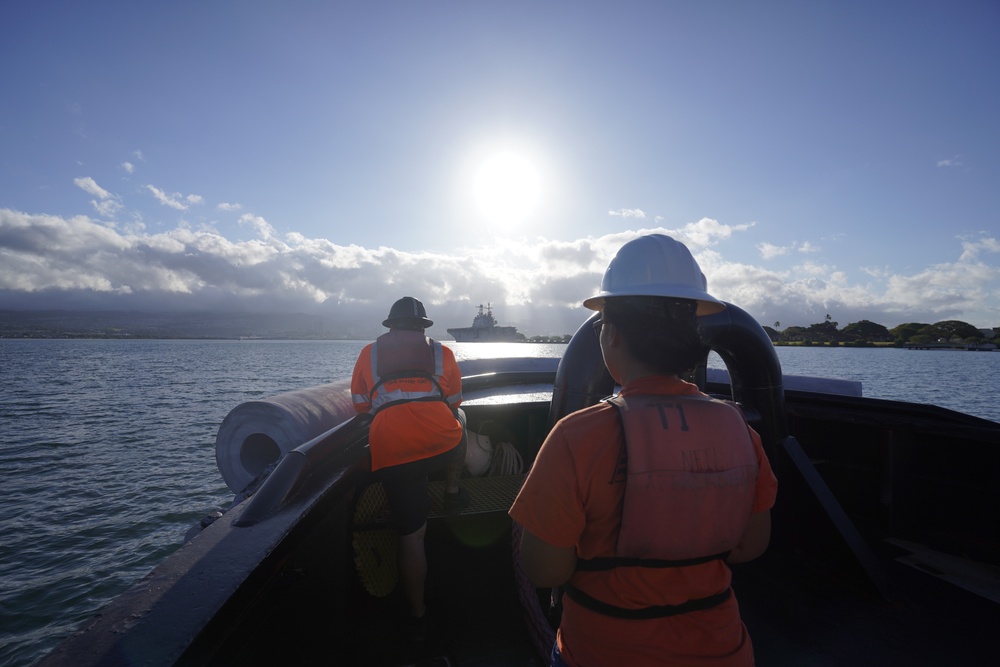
<point>537,284</point>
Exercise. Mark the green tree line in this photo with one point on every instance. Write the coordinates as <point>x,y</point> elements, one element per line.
<point>870,333</point>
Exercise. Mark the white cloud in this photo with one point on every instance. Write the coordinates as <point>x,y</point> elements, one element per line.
<point>264,229</point>
<point>225,206</point>
<point>945,289</point>
<point>770,251</point>
<point>876,272</point>
<point>537,284</point>
<point>89,185</point>
<point>950,162</point>
<point>175,200</point>
<point>629,213</point>
<point>813,269</point>
<point>128,167</point>
<point>706,232</point>
<point>972,249</point>
<point>106,204</point>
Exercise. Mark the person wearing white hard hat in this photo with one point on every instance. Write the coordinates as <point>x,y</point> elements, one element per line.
<point>413,386</point>
<point>634,506</point>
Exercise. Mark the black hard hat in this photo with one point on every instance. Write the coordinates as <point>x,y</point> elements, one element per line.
<point>407,311</point>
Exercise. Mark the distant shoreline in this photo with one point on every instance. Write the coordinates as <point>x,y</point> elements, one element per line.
<point>554,340</point>
<point>89,336</point>
<point>133,325</point>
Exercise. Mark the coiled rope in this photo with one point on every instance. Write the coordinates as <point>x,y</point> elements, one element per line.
<point>505,460</point>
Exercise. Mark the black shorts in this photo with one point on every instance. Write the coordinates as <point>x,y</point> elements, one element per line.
<point>406,485</point>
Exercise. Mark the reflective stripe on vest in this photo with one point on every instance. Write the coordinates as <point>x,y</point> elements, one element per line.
<point>400,355</point>
<point>691,470</point>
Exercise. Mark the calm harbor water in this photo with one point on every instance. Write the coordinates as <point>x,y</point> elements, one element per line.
<point>107,448</point>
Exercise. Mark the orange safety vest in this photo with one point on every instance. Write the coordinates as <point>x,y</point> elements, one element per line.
<point>690,472</point>
<point>412,386</point>
<point>400,355</point>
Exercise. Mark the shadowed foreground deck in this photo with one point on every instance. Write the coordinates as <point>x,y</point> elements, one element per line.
<point>799,612</point>
<point>801,616</point>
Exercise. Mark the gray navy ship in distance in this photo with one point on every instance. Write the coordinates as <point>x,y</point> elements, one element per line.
<point>484,329</point>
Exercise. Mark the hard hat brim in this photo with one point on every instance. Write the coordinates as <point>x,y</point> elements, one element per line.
<point>707,304</point>
<point>424,322</point>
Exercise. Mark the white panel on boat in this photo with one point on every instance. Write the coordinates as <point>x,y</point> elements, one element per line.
<point>801,383</point>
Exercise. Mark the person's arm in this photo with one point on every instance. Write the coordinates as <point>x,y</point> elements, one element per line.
<point>453,379</point>
<point>757,534</point>
<point>755,538</point>
<point>545,565</point>
<point>359,384</point>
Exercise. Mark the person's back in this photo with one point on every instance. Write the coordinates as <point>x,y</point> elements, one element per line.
<point>412,384</point>
<point>641,553</point>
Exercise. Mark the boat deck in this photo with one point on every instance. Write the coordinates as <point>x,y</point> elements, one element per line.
<point>475,617</point>
<point>486,495</point>
<point>800,615</point>
<point>798,611</point>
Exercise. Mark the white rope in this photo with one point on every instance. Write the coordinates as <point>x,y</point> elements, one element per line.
<point>506,460</point>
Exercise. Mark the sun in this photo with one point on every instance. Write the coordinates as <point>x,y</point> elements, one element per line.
<point>507,188</point>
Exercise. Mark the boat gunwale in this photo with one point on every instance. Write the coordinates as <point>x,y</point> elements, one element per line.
<point>165,616</point>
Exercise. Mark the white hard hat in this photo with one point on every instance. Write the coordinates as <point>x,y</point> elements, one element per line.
<point>655,265</point>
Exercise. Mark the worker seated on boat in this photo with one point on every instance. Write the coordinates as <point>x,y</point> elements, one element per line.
<point>413,386</point>
<point>635,505</point>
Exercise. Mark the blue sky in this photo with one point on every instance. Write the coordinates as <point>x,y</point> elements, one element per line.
<point>818,158</point>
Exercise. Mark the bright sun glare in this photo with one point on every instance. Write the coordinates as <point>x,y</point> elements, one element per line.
<point>507,188</point>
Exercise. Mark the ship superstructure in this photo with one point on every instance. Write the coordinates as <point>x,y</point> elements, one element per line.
<point>484,329</point>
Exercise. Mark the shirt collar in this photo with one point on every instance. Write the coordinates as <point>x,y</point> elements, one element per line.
<point>659,384</point>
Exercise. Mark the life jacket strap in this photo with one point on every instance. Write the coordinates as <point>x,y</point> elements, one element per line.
<point>611,562</point>
<point>645,613</point>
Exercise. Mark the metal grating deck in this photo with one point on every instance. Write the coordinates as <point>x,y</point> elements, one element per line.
<point>375,542</point>
<point>487,494</point>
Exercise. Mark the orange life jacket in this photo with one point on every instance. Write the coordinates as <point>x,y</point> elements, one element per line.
<point>399,355</point>
<point>690,472</point>
<point>690,476</point>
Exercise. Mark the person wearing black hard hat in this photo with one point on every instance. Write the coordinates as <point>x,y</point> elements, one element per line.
<point>413,386</point>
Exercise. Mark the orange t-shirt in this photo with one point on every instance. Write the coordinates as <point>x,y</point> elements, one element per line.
<point>568,500</point>
<point>407,432</point>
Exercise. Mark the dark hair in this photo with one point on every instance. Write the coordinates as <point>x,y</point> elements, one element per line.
<point>660,332</point>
